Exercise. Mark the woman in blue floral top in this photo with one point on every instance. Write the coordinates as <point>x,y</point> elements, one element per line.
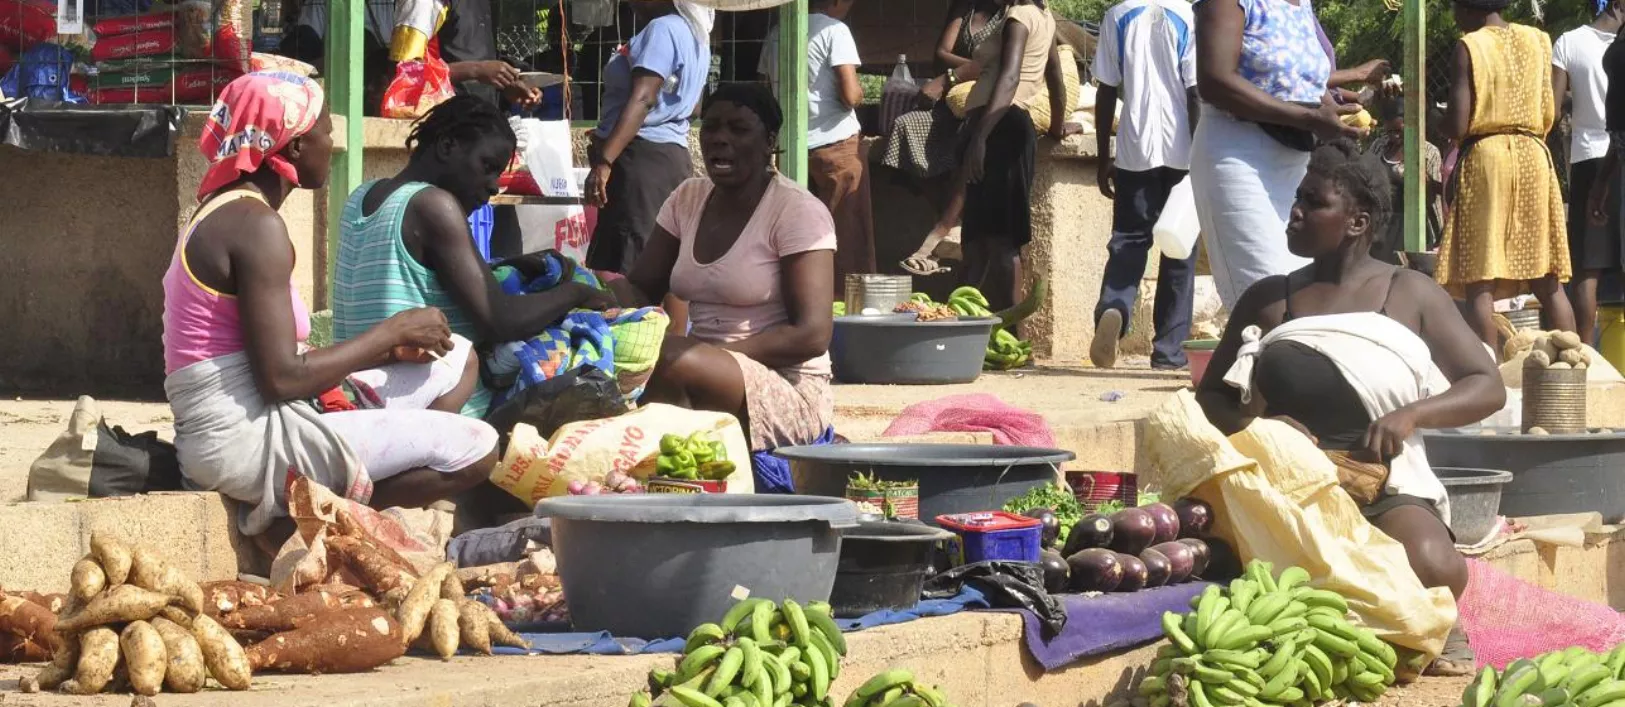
<point>1262,75</point>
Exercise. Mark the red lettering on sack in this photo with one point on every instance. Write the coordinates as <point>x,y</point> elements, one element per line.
<point>570,231</point>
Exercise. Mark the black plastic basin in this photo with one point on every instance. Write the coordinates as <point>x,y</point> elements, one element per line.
<point>895,349</point>
<point>1551,474</point>
<point>883,565</point>
<point>953,478</point>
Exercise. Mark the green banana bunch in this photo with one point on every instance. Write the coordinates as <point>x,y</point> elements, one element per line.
<point>1574,677</point>
<point>896,688</point>
<point>969,302</point>
<point>1267,640</point>
<point>1005,351</point>
<point>760,654</point>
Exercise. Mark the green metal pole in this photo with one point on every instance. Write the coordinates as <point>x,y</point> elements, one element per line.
<point>793,89</point>
<point>1416,115</point>
<point>346,23</point>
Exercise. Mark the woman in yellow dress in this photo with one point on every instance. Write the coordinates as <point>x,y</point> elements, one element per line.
<point>1505,234</point>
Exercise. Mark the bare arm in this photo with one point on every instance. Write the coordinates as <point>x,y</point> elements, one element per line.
<point>1193,108</point>
<point>440,227</point>
<point>1055,82</point>
<point>846,77</point>
<point>1004,85</point>
<point>1105,113</point>
<point>1218,399</point>
<point>807,294</point>
<point>1475,392</point>
<point>946,58</point>
<point>651,275</point>
<point>645,91</point>
<point>1458,115</point>
<point>261,259</point>
<point>1560,88</point>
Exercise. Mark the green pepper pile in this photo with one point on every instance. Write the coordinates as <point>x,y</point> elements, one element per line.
<point>698,456</point>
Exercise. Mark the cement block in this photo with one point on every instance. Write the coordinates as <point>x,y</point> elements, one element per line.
<point>42,540</point>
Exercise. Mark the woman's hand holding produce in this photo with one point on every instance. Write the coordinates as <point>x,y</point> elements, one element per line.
<point>1386,436</point>
<point>421,335</point>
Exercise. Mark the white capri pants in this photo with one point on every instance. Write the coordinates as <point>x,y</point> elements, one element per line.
<point>1244,182</point>
<point>404,434</point>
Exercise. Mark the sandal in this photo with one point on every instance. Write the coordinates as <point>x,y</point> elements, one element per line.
<point>1458,658</point>
<point>924,266</point>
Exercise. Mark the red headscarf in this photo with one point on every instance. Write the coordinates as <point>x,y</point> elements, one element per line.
<point>256,116</point>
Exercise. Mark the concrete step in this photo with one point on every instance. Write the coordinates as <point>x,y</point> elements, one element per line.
<point>39,542</point>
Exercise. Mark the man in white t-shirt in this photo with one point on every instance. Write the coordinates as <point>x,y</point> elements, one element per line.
<point>1147,57</point>
<point>836,169</point>
<point>1577,71</point>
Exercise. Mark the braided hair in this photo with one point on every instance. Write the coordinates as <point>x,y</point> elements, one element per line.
<point>462,119</point>
<point>754,96</point>
<point>1358,176</point>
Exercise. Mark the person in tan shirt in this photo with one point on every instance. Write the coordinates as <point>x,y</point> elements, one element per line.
<point>999,143</point>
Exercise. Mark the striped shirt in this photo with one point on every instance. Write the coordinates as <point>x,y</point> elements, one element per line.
<point>377,277</point>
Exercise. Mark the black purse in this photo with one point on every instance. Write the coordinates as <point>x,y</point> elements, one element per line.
<point>1295,138</point>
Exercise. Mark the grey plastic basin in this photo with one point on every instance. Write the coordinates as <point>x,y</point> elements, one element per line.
<point>657,565</point>
<point>884,565</point>
<point>894,349</point>
<point>954,478</point>
<point>1475,500</point>
<point>1551,474</point>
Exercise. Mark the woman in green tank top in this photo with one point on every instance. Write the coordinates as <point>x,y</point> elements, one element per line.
<point>405,242</point>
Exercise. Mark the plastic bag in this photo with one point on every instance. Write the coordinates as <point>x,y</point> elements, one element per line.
<point>549,156</point>
<point>417,87</point>
<point>581,394</point>
<point>415,537</point>
<point>897,95</point>
<point>534,468</point>
<point>1007,585</point>
<point>1177,228</point>
<point>1275,497</point>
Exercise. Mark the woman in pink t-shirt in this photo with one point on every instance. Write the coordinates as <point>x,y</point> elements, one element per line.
<point>753,254</point>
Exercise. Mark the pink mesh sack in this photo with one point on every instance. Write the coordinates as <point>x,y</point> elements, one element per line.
<point>974,413</point>
<point>1506,618</point>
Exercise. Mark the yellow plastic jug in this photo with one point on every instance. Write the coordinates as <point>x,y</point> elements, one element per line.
<point>1611,341</point>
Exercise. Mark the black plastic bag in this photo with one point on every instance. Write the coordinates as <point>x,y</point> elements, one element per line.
<point>1007,585</point>
<point>120,464</point>
<point>584,393</point>
<point>114,131</point>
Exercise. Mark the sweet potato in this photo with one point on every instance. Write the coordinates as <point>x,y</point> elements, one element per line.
<point>123,603</point>
<point>472,629</point>
<point>221,654</point>
<point>53,603</point>
<point>149,571</point>
<point>177,615</point>
<point>87,579</point>
<point>415,608</point>
<point>500,633</point>
<point>452,588</point>
<point>227,596</point>
<point>114,557</point>
<point>98,654</point>
<point>486,575</point>
<point>16,649</point>
<point>145,658</point>
<point>281,615</point>
<point>375,570</point>
<point>61,667</point>
<point>348,641</point>
<point>27,620</point>
<point>442,628</point>
<point>184,671</point>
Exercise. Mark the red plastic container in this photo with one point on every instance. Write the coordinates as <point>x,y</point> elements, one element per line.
<point>1093,488</point>
<point>992,535</point>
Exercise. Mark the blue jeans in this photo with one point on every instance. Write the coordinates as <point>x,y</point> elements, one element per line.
<point>1140,198</point>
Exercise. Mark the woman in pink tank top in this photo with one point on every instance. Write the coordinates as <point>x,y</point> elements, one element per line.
<point>753,254</point>
<point>244,388</point>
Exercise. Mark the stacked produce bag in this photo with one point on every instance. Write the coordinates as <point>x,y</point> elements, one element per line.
<point>181,53</point>
<point>1267,640</point>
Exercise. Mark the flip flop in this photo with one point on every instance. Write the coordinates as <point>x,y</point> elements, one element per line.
<point>924,266</point>
<point>1456,660</point>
